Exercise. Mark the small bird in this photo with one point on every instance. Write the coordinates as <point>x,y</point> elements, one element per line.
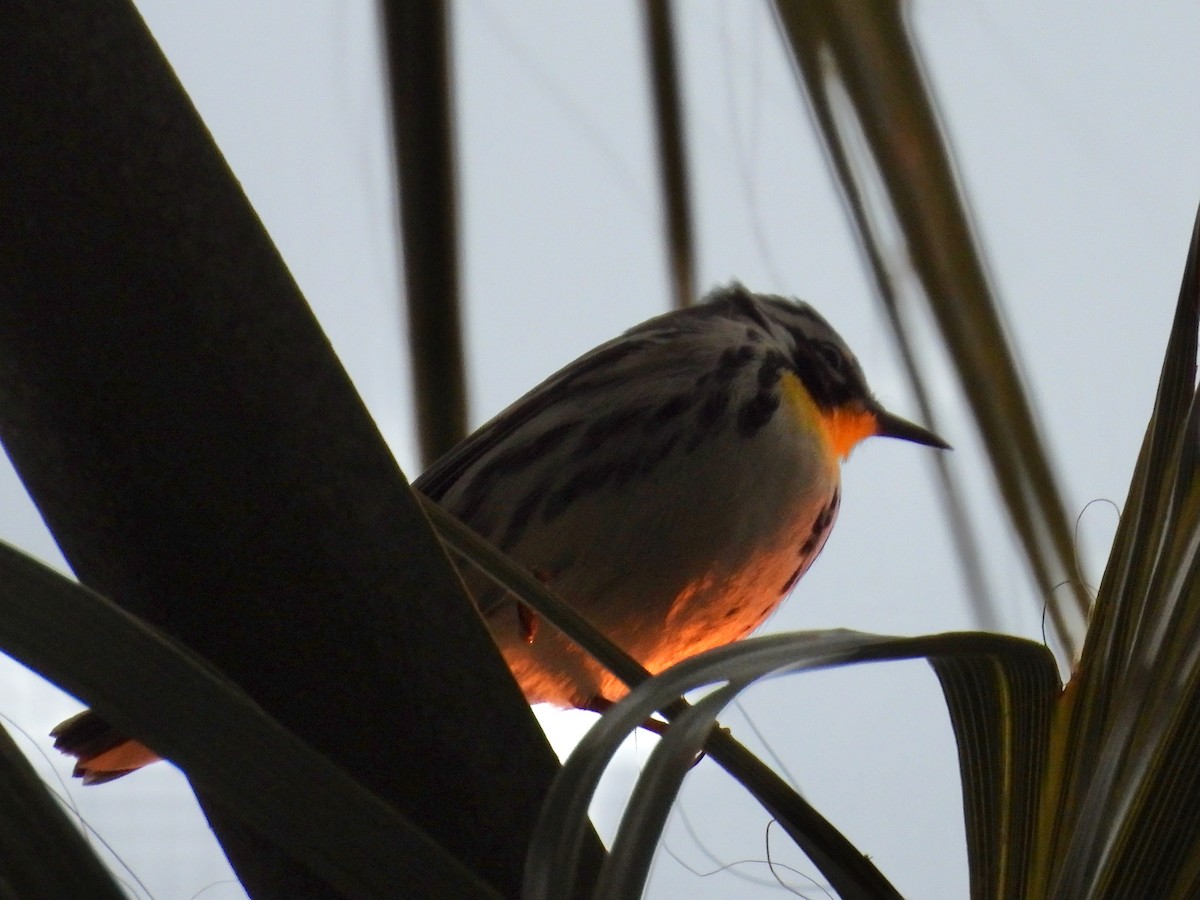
<point>673,485</point>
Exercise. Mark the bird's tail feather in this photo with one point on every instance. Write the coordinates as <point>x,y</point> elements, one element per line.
<point>102,752</point>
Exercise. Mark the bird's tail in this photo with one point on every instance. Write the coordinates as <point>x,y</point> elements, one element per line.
<point>102,753</point>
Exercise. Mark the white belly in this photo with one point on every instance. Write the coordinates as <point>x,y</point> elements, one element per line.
<point>691,558</point>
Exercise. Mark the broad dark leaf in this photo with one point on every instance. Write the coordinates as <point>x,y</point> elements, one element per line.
<point>147,685</point>
<point>34,829</point>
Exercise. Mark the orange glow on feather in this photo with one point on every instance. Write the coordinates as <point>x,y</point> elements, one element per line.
<point>124,757</point>
<point>846,426</point>
<point>842,428</point>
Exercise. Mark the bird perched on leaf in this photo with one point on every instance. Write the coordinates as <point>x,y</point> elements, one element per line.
<point>673,485</point>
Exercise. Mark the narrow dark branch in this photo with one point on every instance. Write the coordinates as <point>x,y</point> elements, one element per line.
<point>418,56</point>
<point>672,154</point>
<point>871,242</point>
<point>860,51</point>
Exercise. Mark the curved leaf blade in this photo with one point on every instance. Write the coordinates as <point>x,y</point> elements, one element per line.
<point>145,684</point>
<point>34,829</point>
<point>823,843</point>
<point>1012,661</point>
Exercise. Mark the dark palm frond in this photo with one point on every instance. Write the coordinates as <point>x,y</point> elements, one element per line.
<point>418,53</point>
<point>1022,672</point>
<point>1121,818</point>
<point>204,462</point>
<point>889,283</point>
<point>1146,523</point>
<point>1002,712</point>
<point>238,755</point>
<point>202,458</point>
<point>672,148</point>
<point>34,829</point>
<point>873,110</point>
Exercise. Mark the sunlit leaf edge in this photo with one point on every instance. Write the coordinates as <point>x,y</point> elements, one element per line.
<point>740,664</point>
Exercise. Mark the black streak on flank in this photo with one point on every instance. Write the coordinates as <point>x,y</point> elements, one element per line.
<point>824,520</point>
<point>791,582</point>
<point>583,482</point>
<point>821,525</point>
<point>521,516</point>
<point>521,457</point>
<point>673,408</point>
<point>604,429</point>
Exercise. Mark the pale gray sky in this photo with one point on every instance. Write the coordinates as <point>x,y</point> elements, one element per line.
<point>1077,140</point>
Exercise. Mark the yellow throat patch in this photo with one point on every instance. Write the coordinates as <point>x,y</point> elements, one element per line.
<point>842,428</point>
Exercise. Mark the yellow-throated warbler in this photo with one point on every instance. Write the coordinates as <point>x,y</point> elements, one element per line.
<point>673,485</point>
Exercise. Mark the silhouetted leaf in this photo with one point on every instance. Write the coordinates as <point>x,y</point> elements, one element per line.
<point>874,112</point>
<point>145,684</point>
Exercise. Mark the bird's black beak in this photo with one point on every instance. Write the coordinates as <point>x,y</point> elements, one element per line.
<point>889,425</point>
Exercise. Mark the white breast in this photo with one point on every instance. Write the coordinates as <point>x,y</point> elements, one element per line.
<point>691,557</point>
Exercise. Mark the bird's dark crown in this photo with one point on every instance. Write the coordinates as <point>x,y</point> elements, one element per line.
<point>825,365</point>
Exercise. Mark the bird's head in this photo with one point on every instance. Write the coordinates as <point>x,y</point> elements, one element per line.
<point>821,372</point>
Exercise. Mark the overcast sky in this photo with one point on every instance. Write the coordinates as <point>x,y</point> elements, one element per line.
<point>1077,141</point>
